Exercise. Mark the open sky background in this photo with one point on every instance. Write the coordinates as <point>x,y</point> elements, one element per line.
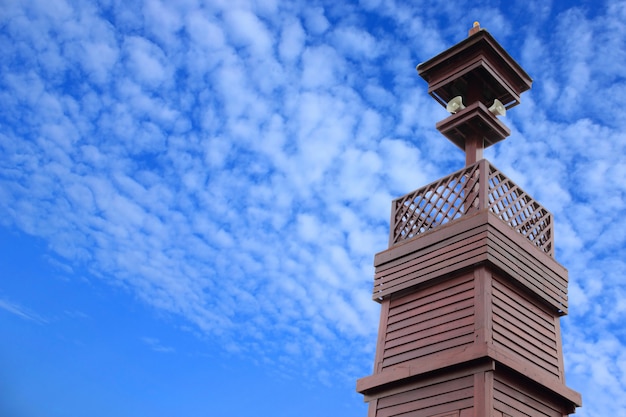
<point>191,193</point>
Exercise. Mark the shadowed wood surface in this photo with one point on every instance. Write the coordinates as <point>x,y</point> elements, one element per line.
<point>524,329</point>
<point>478,59</point>
<point>518,398</point>
<point>437,395</point>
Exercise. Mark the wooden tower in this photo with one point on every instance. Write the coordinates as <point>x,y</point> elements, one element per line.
<point>470,292</point>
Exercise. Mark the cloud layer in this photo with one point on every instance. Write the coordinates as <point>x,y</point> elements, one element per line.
<point>233,163</point>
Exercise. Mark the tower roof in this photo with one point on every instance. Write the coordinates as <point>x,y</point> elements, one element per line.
<point>476,80</point>
<point>477,59</point>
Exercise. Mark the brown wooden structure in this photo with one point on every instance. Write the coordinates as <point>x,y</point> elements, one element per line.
<point>470,292</point>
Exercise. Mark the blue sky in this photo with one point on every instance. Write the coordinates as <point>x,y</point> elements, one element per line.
<point>191,193</point>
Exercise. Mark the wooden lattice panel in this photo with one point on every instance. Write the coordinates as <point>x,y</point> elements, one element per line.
<point>476,187</point>
<point>520,211</point>
<point>433,205</point>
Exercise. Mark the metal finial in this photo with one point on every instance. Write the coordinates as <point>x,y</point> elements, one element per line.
<point>475,28</point>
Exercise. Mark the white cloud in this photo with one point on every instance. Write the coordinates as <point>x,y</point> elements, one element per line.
<point>246,29</point>
<point>292,40</point>
<point>321,67</point>
<point>21,312</point>
<point>146,61</point>
<point>205,33</point>
<point>101,58</point>
<point>308,227</point>
<point>258,146</point>
<point>316,21</point>
<point>356,43</point>
<point>163,21</point>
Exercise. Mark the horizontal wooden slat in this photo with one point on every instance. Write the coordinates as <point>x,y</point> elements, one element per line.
<point>417,410</point>
<point>433,334</point>
<point>426,391</point>
<point>517,305</point>
<point>457,337</point>
<point>430,400</point>
<point>407,302</point>
<point>446,271</point>
<point>507,257</point>
<point>430,321</point>
<point>525,351</point>
<point>543,341</point>
<point>430,315</point>
<point>464,259</point>
<point>512,401</point>
<point>462,243</point>
<point>442,260</point>
<point>387,382</point>
<point>428,256</point>
<point>523,329</point>
<point>453,315</point>
<point>431,305</point>
<point>538,284</point>
<point>529,258</point>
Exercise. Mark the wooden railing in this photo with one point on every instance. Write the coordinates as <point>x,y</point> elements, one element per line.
<point>464,192</point>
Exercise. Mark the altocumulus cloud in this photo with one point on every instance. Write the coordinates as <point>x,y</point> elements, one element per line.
<point>177,147</point>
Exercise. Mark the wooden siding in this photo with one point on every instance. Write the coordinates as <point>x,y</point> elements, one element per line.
<point>457,252</point>
<point>463,243</point>
<point>432,321</point>
<point>512,398</point>
<point>523,330</point>
<point>429,398</point>
<point>540,274</point>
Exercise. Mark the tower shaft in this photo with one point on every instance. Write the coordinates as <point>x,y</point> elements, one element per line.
<point>470,293</point>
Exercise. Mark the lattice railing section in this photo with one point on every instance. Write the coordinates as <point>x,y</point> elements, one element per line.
<point>460,194</point>
<point>519,210</point>
<point>433,205</point>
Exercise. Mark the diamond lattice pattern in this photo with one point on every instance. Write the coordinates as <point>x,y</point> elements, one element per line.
<point>457,195</point>
<point>435,204</point>
<point>520,211</point>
